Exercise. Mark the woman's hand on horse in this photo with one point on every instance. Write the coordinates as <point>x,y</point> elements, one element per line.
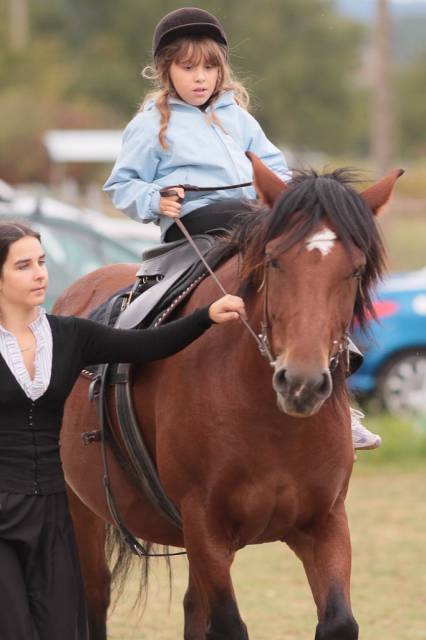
<point>227,308</point>
<point>169,206</point>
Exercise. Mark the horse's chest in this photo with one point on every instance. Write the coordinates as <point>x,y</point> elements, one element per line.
<point>284,504</point>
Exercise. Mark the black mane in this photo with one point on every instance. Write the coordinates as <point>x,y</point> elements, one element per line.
<point>311,200</point>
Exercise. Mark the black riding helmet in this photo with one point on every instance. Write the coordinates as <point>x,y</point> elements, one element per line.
<point>187,21</point>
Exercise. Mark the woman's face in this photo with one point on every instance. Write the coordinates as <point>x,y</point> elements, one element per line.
<point>23,280</point>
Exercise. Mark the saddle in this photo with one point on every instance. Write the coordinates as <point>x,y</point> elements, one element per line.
<point>166,271</point>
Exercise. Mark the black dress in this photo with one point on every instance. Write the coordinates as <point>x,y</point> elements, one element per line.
<point>41,592</point>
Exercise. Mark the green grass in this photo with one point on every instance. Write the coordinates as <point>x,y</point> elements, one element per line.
<point>404,232</point>
<point>404,442</point>
<point>413,182</point>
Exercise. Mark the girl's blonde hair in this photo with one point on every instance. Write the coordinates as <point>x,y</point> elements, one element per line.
<point>190,49</point>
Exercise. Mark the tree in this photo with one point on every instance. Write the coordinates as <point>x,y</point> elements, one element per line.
<point>411,108</point>
<point>382,117</point>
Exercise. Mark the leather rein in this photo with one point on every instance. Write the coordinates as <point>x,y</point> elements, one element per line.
<point>261,338</point>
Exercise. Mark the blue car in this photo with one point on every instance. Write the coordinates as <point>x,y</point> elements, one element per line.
<point>395,353</point>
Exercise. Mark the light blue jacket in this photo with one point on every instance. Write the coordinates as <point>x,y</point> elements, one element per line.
<point>200,153</point>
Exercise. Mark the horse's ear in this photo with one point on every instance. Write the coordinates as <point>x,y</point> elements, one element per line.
<point>268,185</point>
<point>377,196</point>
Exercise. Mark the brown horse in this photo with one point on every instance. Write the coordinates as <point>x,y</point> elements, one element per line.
<point>245,461</point>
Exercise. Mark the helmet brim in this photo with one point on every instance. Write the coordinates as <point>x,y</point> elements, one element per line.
<point>200,29</point>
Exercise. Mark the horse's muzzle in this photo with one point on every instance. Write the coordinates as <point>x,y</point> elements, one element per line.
<point>301,393</point>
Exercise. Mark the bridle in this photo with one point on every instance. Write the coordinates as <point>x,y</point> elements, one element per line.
<point>339,350</point>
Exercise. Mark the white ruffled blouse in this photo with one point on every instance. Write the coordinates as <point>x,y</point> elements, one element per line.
<point>9,349</point>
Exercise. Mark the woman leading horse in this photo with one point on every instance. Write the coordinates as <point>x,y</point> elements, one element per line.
<point>245,458</point>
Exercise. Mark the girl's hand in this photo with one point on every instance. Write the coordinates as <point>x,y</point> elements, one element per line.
<point>169,206</point>
<point>227,308</point>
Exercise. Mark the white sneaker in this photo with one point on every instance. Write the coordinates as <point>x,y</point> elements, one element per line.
<point>362,438</point>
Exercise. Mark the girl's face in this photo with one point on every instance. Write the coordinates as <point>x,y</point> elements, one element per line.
<point>194,83</point>
<point>23,280</point>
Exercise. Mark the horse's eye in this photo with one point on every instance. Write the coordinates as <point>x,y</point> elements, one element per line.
<point>358,273</point>
<point>274,263</point>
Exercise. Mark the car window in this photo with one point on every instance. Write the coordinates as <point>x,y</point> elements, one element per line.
<point>114,252</point>
<point>74,252</point>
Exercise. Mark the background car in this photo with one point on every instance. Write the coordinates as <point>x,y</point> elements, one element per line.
<point>395,353</point>
<point>72,239</point>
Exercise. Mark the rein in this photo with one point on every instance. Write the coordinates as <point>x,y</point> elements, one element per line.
<point>261,339</point>
<point>168,192</point>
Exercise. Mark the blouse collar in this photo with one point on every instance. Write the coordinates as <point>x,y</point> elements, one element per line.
<point>35,324</point>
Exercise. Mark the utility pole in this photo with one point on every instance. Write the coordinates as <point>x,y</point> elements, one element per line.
<point>382,116</point>
<point>18,24</point>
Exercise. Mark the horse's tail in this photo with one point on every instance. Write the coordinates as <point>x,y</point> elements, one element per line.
<point>122,561</point>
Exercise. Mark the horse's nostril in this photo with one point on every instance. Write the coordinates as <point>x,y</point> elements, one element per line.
<point>325,385</point>
<point>279,379</point>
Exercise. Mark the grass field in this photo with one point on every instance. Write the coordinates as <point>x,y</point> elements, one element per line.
<point>387,511</point>
<point>404,230</point>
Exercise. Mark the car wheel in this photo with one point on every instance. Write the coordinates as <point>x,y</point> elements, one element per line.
<point>402,383</point>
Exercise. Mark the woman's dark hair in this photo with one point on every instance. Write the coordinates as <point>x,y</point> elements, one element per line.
<point>10,232</point>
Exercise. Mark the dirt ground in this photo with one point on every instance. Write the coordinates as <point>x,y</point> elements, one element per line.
<point>387,511</point>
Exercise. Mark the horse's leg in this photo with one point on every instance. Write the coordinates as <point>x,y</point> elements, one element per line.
<point>195,612</point>
<point>90,534</point>
<point>326,554</point>
<point>210,558</point>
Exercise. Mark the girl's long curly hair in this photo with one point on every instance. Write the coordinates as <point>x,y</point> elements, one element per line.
<point>191,49</point>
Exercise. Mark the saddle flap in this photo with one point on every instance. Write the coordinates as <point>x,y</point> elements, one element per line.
<point>164,259</point>
<point>139,309</point>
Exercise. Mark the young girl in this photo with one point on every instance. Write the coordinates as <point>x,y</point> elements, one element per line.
<point>195,130</point>
<point>41,357</point>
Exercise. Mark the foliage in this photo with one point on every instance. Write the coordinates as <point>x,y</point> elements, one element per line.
<point>93,53</point>
<point>411,107</point>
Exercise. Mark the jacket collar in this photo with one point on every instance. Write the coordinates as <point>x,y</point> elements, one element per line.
<point>225,99</point>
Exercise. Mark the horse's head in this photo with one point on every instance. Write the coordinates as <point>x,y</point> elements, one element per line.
<point>314,252</point>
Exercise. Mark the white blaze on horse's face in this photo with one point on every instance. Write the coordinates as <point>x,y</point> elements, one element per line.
<point>323,240</point>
